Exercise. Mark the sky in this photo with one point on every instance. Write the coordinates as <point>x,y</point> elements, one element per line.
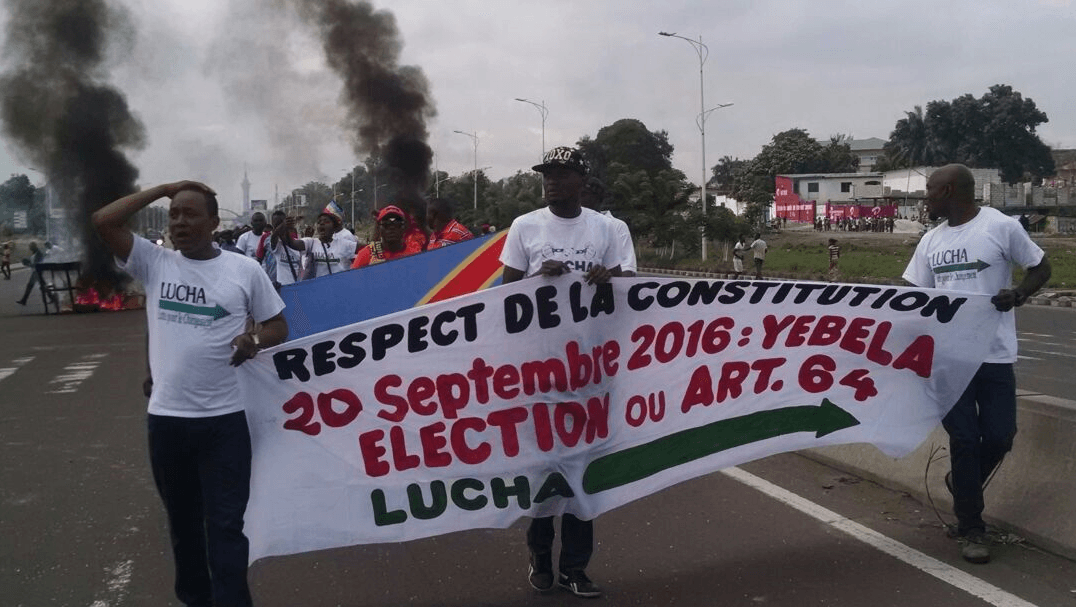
<point>224,86</point>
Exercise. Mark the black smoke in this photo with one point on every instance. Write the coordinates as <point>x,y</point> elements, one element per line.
<point>387,104</point>
<point>61,114</point>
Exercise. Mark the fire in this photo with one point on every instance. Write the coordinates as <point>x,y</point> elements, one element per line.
<point>104,297</point>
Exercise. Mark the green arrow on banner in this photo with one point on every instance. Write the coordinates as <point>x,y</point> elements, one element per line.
<point>978,265</point>
<point>636,463</point>
<point>216,311</point>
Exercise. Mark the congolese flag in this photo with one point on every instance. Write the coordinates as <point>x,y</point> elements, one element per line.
<point>341,299</point>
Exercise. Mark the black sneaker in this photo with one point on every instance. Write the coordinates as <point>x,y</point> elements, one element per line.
<point>976,547</point>
<point>577,583</point>
<point>540,572</point>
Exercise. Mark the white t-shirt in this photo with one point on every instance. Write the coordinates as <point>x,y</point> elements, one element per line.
<point>195,308</point>
<point>624,242</point>
<point>977,256</point>
<point>758,247</point>
<point>284,274</point>
<point>248,244</point>
<point>581,241</point>
<point>332,257</point>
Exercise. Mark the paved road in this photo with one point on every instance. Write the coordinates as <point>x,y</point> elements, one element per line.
<point>82,526</point>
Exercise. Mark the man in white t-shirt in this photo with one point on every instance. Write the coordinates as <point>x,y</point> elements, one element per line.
<point>758,251</point>
<point>974,250</point>
<point>329,252</point>
<point>560,238</point>
<point>198,301</point>
<point>737,256</point>
<point>248,241</point>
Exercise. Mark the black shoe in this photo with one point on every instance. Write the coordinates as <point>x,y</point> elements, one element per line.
<point>540,572</point>
<point>21,302</point>
<point>976,547</point>
<point>577,583</point>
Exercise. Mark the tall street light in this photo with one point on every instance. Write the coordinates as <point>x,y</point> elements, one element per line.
<point>704,52</point>
<point>544,111</point>
<point>475,137</point>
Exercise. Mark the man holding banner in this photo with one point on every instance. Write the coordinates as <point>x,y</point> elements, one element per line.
<point>552,241</point>
<point>973,250</point>
<point>198,302</point>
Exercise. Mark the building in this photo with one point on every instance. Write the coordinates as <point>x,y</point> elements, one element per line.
<point>868,150</point>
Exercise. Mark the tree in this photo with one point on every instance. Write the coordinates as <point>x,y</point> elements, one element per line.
<point>789,152</point>
<point>18,194</point>
<point>995,131</point>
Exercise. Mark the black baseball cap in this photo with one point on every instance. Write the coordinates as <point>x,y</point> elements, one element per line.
<point>565,157</point>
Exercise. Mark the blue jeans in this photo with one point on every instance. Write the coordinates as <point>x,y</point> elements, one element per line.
<point>202,470</point>
<point>981,427</point>
<point>576,541</point>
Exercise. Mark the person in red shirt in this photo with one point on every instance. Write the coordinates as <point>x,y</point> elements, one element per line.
<point>445,230</point>
<point>391,223</point>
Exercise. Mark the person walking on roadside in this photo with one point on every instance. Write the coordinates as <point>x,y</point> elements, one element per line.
<point>37,255</point>
<point>982,423</point>
<point>737,256</point>
<point>560,238</point>
<point>758,250</point>
<point>834,250</point>
<point>198,300</point>
<point>5,260</point>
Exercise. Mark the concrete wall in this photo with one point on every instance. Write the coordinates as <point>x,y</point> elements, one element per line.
<point>1033,493</point>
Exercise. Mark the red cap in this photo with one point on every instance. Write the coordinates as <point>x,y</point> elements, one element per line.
<point>391,210</point>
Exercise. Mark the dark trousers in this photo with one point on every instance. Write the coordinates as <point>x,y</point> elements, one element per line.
<point>576,541</point>
<point>202,470</point>
<point>981,427</point>
<point>35,278</point>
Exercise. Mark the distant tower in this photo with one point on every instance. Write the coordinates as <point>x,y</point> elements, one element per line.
<point>246,191</point>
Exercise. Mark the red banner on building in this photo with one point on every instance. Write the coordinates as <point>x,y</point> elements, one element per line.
<point>789,205</point>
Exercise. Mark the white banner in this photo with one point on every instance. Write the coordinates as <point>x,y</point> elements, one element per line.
<point>549,396</point>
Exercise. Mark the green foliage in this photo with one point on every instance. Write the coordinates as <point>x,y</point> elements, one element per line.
<point>995,131</point>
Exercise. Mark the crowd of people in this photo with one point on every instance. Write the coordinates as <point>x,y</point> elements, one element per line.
<point>328,247</point>
<point>199,443</point>
<point>823,223</point>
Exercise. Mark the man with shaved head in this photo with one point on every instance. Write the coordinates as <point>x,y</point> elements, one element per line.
<point>974,250</point>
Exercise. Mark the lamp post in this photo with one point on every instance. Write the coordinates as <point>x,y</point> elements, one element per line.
<point>704,52</point>
<point>544,111</point>
<point>473,136</point>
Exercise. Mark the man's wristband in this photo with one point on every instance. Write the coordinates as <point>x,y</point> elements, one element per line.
<point>257,342</point>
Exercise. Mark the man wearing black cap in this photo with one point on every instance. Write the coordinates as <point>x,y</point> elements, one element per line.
<point>562,238</point>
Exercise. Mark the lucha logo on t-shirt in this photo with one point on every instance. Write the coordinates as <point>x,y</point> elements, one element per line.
<point>182,293</point>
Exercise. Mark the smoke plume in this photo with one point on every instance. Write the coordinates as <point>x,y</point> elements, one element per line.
<point>61,114</point>
<point>387,104</point>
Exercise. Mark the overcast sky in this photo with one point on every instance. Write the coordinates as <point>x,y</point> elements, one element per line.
<point>220,84</point>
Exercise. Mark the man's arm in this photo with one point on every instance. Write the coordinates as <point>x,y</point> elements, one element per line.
<point>111,220</point>
<point>1034,279</point>
<point>271,332</point>
<point>511,275</point>
<point>284,233</point>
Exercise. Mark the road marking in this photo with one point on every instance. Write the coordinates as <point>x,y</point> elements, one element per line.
<point>927,564</point>
<point>120,578</point>
<point>1021,356</point>
<point>74,374</point>
<point>1065,354</point>
<point>6,372</point>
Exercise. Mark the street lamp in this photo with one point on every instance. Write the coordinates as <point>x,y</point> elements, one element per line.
<point>475,137</point>
<point>704,52</point>
<point>544,111</point>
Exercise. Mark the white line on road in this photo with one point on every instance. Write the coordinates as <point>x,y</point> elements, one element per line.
<point>74,374</point>
<point>1022,357</point>
<point>927,564</point>
<point>18,362</point>
<point>1065,354</point>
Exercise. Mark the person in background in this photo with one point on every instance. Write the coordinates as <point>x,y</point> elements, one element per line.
<point>325,254</point>
<point>391,242</point>
<point>593,197</point>
<point>758,250</point>
<point>247,242</point>
<point>444,229</point>
<point>557,239</point>
<point>288,261</point>
<point>737,256</point>
<point>37,255</point>
<point>982,423</point>
<point>834,250</point>
<point>5,260</point>
<point>198,301</point>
